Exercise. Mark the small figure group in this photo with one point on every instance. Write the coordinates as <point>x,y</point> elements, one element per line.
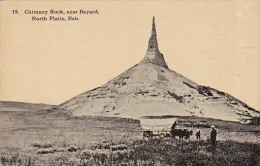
<point>213,135</point>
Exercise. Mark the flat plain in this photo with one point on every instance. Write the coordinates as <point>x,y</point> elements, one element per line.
<point>41,138</point>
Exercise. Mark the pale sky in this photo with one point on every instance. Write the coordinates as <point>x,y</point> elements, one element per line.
<point>214,43</point>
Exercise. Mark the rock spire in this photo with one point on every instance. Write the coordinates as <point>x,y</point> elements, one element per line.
<point>153,54</point>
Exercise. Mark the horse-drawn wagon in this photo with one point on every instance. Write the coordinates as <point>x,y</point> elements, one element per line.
<point>157,126</point>
<point>162,127</point>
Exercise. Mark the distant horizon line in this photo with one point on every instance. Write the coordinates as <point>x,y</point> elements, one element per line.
<point>22,102</point>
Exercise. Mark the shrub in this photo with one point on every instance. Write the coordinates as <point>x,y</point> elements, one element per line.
<point>45,151</point>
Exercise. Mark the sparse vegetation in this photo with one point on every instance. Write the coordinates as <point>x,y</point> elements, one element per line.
<point>255,120</point>
<point>77,141</point>
<point>140,152</point>
<point>205,90</point>
<point>176,97</point>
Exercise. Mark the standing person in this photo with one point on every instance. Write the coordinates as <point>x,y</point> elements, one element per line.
<point>198,133</point>
<point>213,138</point>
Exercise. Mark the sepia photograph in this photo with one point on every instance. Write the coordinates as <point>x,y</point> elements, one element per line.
<point>130,83</point>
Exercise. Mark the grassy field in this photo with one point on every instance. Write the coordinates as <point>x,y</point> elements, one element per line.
<point>36,138</point>
<point>166,152</point>
<point>21,129</point>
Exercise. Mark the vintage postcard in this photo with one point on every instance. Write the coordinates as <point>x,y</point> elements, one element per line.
<point>129,83</point>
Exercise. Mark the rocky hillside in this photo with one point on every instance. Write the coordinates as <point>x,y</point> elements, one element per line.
<point>150,88</point>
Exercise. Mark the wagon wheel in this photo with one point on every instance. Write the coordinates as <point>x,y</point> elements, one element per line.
<point>148,134</point>
<point>162,135</point>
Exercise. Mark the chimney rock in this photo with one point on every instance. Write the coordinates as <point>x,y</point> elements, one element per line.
<point>153,54</point>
